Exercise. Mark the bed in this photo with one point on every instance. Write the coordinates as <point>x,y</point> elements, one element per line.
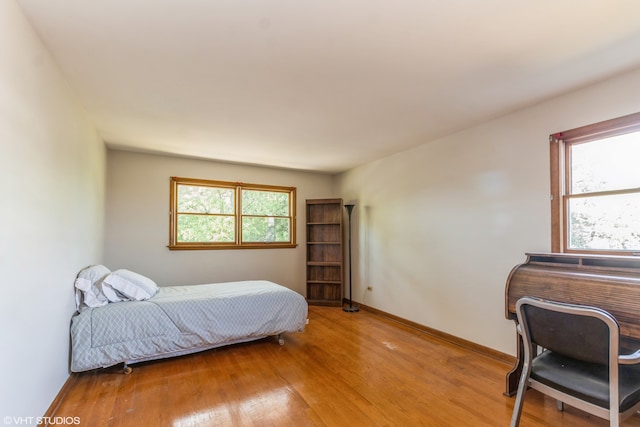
<point>123,317</point>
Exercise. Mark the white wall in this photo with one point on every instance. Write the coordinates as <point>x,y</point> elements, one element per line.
<point>51,221</point>
<point>439,227</point>
<point>137,222</point>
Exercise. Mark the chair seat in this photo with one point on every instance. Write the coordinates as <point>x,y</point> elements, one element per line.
<point>586,381</point>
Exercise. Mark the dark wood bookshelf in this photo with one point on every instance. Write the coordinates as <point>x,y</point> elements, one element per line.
<point>324,252</point>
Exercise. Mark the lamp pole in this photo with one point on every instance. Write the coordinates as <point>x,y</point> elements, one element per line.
<point>351,309</point>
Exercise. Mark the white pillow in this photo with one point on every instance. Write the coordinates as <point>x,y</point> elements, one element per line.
<point>88,289</point>
<point>131,285</point>
<point>88,295</point>
<point>112,294</point>
<point>94,273</point>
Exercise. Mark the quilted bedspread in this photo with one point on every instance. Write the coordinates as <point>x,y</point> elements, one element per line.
<point>181,320</point>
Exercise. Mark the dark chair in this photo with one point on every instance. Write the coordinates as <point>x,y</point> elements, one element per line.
<point>579,363</point>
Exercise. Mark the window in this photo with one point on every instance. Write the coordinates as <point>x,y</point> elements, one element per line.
<point>230,215</point>
<point>595,188</point>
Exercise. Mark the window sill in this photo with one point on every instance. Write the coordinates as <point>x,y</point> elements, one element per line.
<point>211,246</point>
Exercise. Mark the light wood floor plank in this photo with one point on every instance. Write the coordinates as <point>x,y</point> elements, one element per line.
<point>355,369</point>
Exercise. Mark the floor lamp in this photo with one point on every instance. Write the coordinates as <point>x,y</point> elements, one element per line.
<point>349,207</point>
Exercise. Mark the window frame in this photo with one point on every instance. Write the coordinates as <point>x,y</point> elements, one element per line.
<point>238,187</point>
<point>560,167</point>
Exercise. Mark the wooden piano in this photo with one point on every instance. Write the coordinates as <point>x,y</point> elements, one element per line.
<point>611,283</point>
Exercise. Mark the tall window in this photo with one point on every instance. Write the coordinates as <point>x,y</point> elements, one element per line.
<point>227,215</point>
<point>595,188</point>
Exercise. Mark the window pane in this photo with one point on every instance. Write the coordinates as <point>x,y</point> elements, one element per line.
<point>605,223</point>
<point>261,229</point>
<point>606,164</point>
<point>205,228</point>
<point>211,200</point>
<point>267,203</point>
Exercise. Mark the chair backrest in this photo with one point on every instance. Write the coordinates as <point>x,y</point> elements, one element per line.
<point>579,332</point>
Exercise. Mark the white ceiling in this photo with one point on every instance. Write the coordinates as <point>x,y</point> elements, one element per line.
<point>322,85</point>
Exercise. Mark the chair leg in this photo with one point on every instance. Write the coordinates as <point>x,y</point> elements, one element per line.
<point>614,419</point>
<point>522,389</point>
<point>560,405</point>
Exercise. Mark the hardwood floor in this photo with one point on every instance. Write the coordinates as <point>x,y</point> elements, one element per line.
<point>346,369</point>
